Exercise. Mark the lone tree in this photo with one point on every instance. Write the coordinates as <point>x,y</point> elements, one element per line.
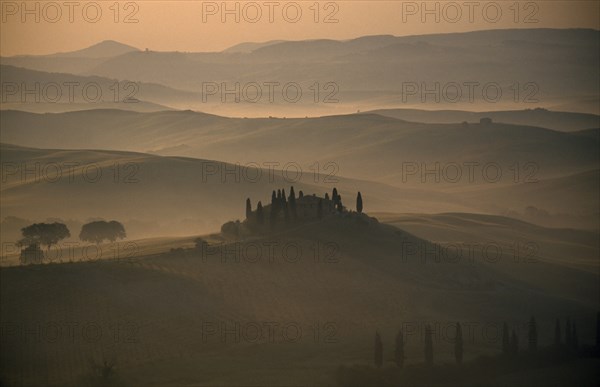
<point>260,216</point>
<point>248,209</point>
<point>399,350</point>
<point>39,234</point>
<point>428,346</point>
<point>99,231</point>
<point>598,330</point>
<point>359,205</point>
<point>505,340</point>
<point>378,350</point>
<point>458,344</point>
<point>532,334</point>
<point>514,344</point>
<point>557,333</point>
<point>574,339</point>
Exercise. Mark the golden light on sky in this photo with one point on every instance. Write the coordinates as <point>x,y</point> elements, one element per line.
<point>45,27</point>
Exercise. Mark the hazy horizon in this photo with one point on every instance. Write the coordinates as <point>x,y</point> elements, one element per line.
<point>151,24</point>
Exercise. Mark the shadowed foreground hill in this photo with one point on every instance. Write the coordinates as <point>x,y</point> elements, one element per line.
<point>185,317</point>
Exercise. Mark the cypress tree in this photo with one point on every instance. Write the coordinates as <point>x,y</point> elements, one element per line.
<point>505,339</point>
<point>574,337</point>
<point>292,201</point>
<point>300,194</point>
<point>259,213</point>
<point>428,346</point>
<point>399,350</point>
<point>568,340</point>
<point>359,203</point>
<point>514,343</point>
<point>248,209</point>
<point>378,350</point>
<point>598,330</point>
<point>458,344</point>
<point>340,206</point>
<point>273,213</point>
<point>532,334</point>
<point>334,195</point>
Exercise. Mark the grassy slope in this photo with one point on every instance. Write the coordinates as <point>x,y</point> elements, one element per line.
<point>369,287</point>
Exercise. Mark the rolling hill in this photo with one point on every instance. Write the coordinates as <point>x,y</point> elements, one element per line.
<point>182,316</point>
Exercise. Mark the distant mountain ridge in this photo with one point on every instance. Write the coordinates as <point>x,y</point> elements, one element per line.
<point>376,69</point>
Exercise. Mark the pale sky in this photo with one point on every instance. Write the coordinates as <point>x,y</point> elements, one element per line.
<point>59,26</point>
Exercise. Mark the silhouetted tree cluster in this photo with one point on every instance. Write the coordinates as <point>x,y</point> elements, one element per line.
<point>399,355</point>
<point>43,234</point>
<point>99,231</point>
<point>286,207</point>
<point>472,373</point>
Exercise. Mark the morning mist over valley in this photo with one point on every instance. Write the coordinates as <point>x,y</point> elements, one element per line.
<point>327,193</point>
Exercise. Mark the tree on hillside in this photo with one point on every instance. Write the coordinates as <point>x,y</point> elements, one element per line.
<point>428,346</point>
<point>340,206</point>
<point>248,209</point>
<point>458,344</point>
<point>557,333</point>
<point>378,350</point>
<point>505,340</point>
<point>292,202</point>
<point>514,344</point>
<point>273,212</point>
<point>532,334</point>
<point>598,330</point>
<point>99,231</point>
<point>359,203</point>
<point>260,216</point>
<point>334,195</point>
<point>574,339</point>
<point>300,194</point>
<point>326,196</point>
<point>399,350</point>
<point>43,234</point>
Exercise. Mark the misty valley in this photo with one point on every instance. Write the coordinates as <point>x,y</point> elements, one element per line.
<point>410,209</point>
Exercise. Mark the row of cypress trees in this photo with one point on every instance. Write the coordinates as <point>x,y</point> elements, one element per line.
<point>510,342</point>
<point>287,205</point>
